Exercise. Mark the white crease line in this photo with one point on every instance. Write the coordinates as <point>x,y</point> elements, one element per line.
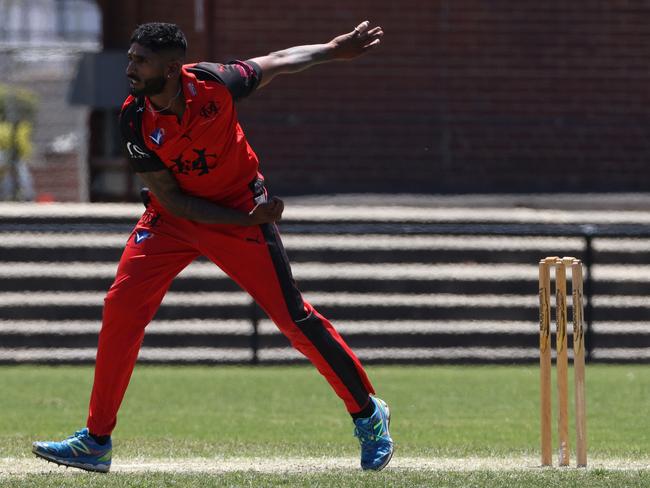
<point>25,466</point>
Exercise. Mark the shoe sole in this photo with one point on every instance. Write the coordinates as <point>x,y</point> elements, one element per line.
<point>379,468</point>
<point>99,468</point>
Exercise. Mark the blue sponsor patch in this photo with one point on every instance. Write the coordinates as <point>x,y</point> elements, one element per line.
<point>142,234</point>
<point>157,136</point>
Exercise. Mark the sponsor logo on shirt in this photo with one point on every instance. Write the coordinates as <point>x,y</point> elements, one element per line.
<point>141,234</point>
<point>157,136</point>
<point>136,152</point>
<point>201,165</point>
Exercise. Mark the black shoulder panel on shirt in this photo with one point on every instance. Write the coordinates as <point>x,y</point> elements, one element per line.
<point>141,159</point>
<point>241,78</point>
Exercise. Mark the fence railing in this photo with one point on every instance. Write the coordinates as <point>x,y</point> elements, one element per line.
<point>401,284</point>
<point>586,232</point>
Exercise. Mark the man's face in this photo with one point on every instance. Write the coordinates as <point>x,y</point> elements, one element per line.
<point>145,71</point>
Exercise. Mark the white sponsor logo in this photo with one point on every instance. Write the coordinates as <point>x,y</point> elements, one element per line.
<point>135,152</point>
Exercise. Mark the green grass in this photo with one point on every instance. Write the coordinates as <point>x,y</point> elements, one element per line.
<point>406,479</point>
<point>290,411</point>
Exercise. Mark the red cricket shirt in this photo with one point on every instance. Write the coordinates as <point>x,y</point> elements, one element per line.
<point>207,151</point>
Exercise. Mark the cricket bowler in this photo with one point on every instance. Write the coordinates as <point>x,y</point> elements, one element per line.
<point>206,197</point>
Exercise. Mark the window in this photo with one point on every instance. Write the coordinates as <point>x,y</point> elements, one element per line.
<point>49,21</point>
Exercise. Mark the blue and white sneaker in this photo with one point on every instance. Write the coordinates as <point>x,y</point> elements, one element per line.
<point>78,451</point>
<point>375,440</point>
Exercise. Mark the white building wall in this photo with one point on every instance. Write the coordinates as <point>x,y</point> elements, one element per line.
<point>40,44</point>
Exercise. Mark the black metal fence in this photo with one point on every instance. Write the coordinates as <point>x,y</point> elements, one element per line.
<point>402,286</point>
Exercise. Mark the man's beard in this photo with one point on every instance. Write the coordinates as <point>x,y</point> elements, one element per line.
<point>152,86</point>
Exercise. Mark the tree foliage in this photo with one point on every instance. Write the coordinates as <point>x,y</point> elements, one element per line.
<point>17,112</point>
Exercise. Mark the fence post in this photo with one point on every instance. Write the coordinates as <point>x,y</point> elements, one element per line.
<point>254,317</point>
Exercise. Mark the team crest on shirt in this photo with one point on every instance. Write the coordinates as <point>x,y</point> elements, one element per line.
<point>209,110</point>
<point>192,89</point>
<point>157,136</point>
<point>202,164</point>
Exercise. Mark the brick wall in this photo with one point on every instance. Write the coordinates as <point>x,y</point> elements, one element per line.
<point>57,178</point>
<point>463,96</point>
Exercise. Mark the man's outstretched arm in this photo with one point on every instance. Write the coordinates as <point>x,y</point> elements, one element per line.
<point>344,47</point>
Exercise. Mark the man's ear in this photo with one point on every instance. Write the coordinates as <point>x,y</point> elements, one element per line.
<point>173,68</point>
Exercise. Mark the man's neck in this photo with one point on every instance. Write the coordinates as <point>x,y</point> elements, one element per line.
<point>170,100</point>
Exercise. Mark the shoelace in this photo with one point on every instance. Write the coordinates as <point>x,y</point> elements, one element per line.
<point>78,435</point>
<point>365,433</point>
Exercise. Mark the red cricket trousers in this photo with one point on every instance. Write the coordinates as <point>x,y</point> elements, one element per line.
<point>160,246</point>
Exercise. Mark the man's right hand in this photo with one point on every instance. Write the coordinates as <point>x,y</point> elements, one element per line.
<point>265,213</point>
<point>356,43</point>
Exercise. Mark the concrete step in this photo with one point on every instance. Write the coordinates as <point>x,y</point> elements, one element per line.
<point>399,340</point>
<point>347,328</point>
<point>401,283</point>
<point>331,212</point>
<point>208,341</point>
<point>336,305</point>
<point>107,247</point>
<point>284,355</point>
<point>414,278</point>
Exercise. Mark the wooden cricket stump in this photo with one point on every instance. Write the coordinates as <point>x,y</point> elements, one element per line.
<point>560,266</point>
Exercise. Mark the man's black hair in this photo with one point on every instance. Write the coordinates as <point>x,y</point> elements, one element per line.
<point>160,36</point>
